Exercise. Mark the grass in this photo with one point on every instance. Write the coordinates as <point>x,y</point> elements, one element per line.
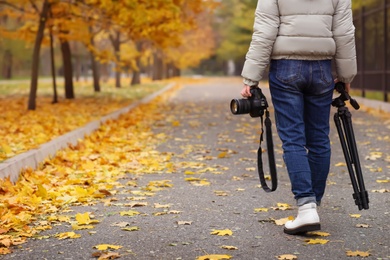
<point>23,130</point>
<point>82,89</point>
<point>374,95</point>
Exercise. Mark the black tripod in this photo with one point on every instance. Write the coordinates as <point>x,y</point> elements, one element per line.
<point>343,121</point>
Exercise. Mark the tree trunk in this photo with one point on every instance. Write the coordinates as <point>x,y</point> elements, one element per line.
<point>158,65</point>
<point>176,71</point>
<point>53,68</point>
<point>68,73</point>
<point>35,59</point>
<point>117,48</point>
<point>94,66</point>
<point>7,65</point>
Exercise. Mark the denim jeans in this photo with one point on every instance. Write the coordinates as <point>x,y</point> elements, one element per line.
<point>301,93</point>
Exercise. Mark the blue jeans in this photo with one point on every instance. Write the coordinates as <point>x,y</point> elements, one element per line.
<point>302,95</point>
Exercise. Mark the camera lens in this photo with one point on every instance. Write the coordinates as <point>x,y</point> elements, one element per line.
<point>240,106</point>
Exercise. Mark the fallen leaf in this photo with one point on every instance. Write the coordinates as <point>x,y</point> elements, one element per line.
<point>130,229</point>
<point>287,257</point>
<point>214,257</point>
<point>358,253</point>
<point>184,222</point>
<point>225,232</point>
<point>340,164</point>
<point>282,221</point>
<point>229,247</point>
<point>130,213</point>
<point>77,227</point>
<point>316,241</point>
<point>121,224</point>
<point>66,235</point>
<point>103,247</point>
<point>84,219</point>
<point>109,255</point>
<point>355,215</point>
<point>383,181</point>
<point>381,191</point>
<point>362,225</point>
<point>261,210</point>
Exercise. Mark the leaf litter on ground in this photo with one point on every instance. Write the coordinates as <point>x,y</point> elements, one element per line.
<point>73,178</point>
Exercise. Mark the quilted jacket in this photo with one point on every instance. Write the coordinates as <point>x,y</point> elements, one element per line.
<point>303,30</point>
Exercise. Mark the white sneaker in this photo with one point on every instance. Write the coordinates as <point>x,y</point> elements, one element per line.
<point>307,220</point>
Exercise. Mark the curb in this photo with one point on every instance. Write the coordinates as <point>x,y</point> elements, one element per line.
<point>31,159</point>
<point>380,105</point>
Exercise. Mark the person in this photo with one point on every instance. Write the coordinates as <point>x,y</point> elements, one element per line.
<point>298,39</point>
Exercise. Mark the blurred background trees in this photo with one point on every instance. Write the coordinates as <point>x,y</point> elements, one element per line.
<point>101,39</point>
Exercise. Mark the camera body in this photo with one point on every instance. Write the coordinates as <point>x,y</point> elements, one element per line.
<point>254,105</point>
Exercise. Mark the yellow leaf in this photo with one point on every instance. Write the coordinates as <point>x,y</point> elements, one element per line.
<point>5,149</point>
<point>382,181</point>
<point>175,123</point>
<point>358,253</point>
<point>159,206</point>
<point>282,221</point>
<point>261,210</point>
<point>66,235</point>
<point>4,251</point>
<point>355,215</point>
<point>316,241</point>
<point>318,233</point>
<point>103,247</point>
<point>340,164</point>
<point>131,229</point>
<point>287,257</point>
<point>189,172</point>
<point>84,219</point>
<point>77,227</point>
<point>220,193</point>
<point>282,206</point>
<point>109,255</point>
<point>381,191</point>
<point>214,257</point>
<point>41,192</point>
<point>379,169</point>
<point>229,247</point>
<point>222,155</point>
<point>129,213</point>
<point>225,232</point>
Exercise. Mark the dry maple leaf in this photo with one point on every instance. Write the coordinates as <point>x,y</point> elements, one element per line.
<point>316,241</point>
<point>130,213</point>
<point>358,253</point>
<point>287,257</point>
<point>229,247</point>
<point>214,257</point>
<point>224,232</point>
<point>66,235</point>
<point>103,247</point>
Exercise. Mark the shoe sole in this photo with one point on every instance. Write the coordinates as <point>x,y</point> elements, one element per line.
<point>303,229</point>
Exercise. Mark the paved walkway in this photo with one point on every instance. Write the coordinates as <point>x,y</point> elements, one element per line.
<point>220,149</point>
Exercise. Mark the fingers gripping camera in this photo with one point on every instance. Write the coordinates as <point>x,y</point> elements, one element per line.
<point>254,105</point>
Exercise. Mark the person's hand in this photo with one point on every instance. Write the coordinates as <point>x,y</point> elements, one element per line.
<point>246,91</point>
<point>347,85</point>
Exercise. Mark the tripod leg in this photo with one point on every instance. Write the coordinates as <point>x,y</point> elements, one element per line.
<point>350,136</point>
<point>347,157</point>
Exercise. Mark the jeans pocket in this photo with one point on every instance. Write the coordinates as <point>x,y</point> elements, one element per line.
<point>288,70</point>
<point>326,72</point>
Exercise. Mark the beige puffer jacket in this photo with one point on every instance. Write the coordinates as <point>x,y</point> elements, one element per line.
<point>305,30</point>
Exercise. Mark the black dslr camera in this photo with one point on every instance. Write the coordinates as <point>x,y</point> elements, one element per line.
<point>254,105</point>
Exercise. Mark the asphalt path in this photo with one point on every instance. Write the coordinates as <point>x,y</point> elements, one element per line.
<point>221,149</point>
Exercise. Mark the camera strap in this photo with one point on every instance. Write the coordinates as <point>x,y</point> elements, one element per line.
<point>271,157</point>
